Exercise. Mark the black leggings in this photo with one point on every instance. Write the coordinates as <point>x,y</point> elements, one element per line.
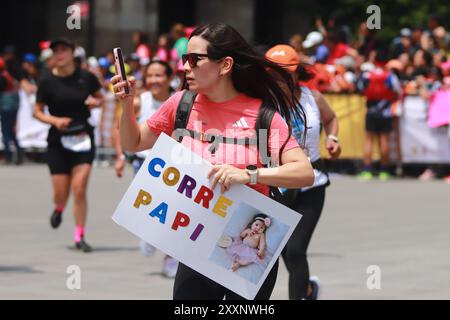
<point>191,285</point>
<point>310,205</point>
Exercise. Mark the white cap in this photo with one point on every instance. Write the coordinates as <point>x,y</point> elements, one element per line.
<point>405,32</point>
<point>46,54</point>
<point>312,39</point>
<point>92,62</point>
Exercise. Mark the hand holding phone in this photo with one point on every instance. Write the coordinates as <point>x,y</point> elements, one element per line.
<point>120,67</point>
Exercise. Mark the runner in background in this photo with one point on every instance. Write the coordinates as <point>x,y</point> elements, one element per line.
<point>70,93</point>
<point>308,201</point>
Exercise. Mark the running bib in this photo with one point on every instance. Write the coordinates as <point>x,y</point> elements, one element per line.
<point>77,143</point>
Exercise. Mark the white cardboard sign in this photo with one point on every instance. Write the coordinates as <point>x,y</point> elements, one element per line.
<point>170,205</point>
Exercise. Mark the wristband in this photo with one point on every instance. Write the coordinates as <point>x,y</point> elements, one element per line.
<point>333,138</point>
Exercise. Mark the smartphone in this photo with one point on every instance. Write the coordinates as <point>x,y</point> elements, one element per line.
<point>120,67</point>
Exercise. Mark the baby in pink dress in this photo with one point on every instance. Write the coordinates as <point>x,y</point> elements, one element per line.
<point>250,246</point>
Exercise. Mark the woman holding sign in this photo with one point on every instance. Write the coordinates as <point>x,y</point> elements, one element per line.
<point>70,93</point>
<point>233,86</point>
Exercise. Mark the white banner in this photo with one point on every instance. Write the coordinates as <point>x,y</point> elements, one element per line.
<point>31,132</point>
<point>419,142</point>
<point>232,238</point>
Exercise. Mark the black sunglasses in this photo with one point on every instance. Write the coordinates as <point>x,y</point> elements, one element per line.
<point>192,58</point>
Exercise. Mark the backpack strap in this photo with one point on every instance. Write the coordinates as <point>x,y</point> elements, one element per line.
<point>265,116</point>
<point>263,121</point>
<point>183,112</point>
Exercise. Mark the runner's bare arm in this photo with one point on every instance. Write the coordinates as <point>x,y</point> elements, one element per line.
<point>58,122</point>
<point>295,171</point>
<point>330,123</point>
<point>95,100</point>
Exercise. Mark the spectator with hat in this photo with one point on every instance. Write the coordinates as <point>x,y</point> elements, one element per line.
<point>403,44</point>
<point>314,44</point>
<point>30,68</point>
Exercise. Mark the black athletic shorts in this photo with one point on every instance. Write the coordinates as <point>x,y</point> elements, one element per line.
<point>376,123</point>
<point>378,117</point>
<point>61,160</point>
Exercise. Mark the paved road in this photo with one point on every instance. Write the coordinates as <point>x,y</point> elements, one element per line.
<point>401,226</point>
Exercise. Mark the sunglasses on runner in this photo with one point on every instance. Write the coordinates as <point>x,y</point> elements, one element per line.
<point>192,58</point>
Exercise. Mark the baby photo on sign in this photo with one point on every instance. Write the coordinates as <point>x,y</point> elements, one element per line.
<point>249,242</point>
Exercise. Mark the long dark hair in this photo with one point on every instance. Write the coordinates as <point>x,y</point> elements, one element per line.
<point>253,75</point>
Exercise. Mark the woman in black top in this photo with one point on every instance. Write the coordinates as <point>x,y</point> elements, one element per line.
<point>70,93</point>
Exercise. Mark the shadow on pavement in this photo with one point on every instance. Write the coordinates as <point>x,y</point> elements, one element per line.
<point>107,249</point>
<point>18,269</point>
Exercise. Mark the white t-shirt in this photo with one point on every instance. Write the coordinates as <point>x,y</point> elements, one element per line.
<point>312,140</point>
<point>149,105</point>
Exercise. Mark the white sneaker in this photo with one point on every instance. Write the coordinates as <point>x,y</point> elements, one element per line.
<point>147,249</point>
<point>170,267</point>
<point>315,285</point>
